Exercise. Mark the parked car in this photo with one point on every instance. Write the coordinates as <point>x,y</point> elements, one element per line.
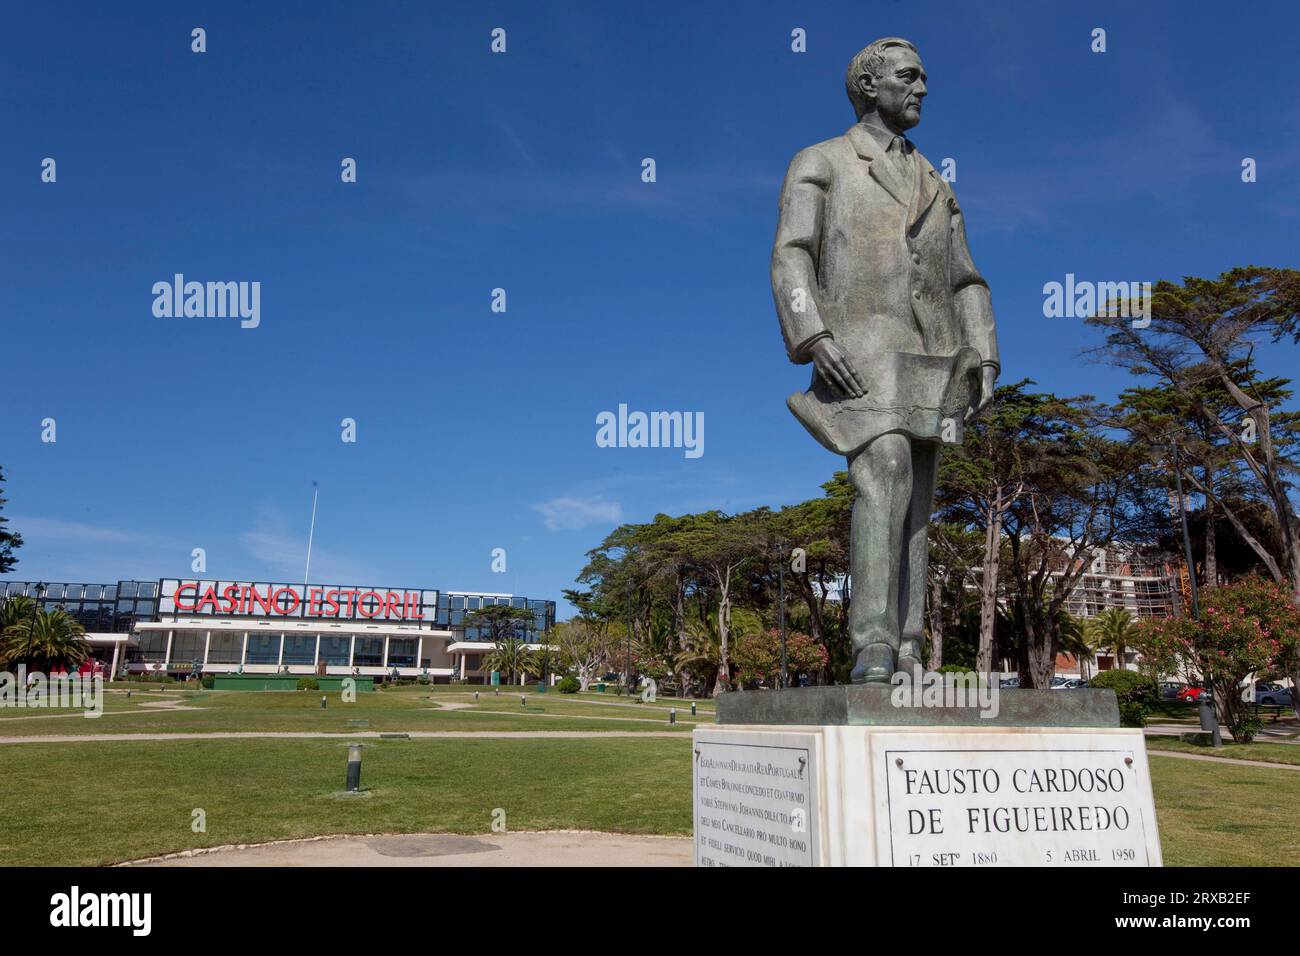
<point>1171,689</point>
<point>1272,695</point>
<point>1191,693</point>
<point>1009,682</point>
<point>1068,683</point>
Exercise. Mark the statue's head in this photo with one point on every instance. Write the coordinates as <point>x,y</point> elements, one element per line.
<point>887,78</point>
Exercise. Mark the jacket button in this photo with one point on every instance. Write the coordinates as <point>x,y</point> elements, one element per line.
<point>916,258</point>
<point>916,294</point>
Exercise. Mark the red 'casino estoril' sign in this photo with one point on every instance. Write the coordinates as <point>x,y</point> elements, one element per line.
<point>287,600</point>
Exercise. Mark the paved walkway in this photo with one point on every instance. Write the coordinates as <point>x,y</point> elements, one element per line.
<point>1232,760</point>
<point>630,720</point>
<point>359,735</point>
<point>557,848</point>
<point>682,705</point>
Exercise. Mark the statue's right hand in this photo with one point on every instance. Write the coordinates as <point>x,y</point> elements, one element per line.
<point>834,366</point>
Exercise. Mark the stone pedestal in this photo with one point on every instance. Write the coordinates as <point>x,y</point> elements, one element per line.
<point>878,784</point>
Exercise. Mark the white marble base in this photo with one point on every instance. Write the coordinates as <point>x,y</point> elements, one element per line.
<point>922,796</point>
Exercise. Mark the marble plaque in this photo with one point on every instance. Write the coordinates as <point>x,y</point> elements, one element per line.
<point>1041,799</point>
<point>756,799</point>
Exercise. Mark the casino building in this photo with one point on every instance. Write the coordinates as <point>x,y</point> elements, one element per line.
<point>254,627</point>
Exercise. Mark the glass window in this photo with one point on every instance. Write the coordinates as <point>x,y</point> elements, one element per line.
<point>188,646</point>
<point>263,648</point>
<point>334,649</point>
<point>401,652</point>
<point>300,648</point>
<point>153,645</point>
<point>370,652</point>
<point>225,648</point>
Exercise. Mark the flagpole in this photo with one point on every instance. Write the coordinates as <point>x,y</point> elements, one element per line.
<point>306,574</point>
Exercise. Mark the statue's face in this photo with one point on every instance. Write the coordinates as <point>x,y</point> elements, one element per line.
<point>900,89</point>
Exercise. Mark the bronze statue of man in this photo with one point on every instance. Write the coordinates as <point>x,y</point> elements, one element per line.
<point>875,286</point>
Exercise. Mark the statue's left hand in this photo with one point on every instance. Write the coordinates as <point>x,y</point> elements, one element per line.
<point>988,380</point>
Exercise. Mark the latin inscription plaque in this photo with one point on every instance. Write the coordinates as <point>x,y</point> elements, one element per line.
<point>756,803</point>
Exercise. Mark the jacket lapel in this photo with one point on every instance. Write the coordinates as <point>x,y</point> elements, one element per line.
<point>881,170</point>
<point>927,187</point>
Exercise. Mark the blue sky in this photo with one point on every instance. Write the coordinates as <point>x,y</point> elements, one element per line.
<point>476,430</point>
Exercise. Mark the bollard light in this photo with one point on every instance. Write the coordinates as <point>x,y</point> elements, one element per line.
<point>523,700</point>
<point>672,715</point>
<point>476,695</point>
<point>322,701</point>
<point>354,768</point>
<point>692,708</point>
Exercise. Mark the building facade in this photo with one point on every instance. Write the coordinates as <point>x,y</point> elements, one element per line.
<point>180,625</point>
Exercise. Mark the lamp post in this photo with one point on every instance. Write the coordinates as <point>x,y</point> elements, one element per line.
<point>1187,538</point>
<point>1205,702</point>
<point>627,677</point>
<point>36,605</point>
<point>785,679</point>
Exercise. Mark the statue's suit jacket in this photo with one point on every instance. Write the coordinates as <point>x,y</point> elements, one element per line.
<point>881,265</point>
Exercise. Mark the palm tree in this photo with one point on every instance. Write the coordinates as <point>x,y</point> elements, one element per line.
<point>700,653</point>
<point>52,640</point>
<point>1113,628</point>
<point>1074,640</point>
<point>15,610</point>
<point>510,656</point>
<point>544,660</point>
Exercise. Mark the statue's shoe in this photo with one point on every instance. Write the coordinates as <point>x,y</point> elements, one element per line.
<point>909,655</point>
<point>875,665</point>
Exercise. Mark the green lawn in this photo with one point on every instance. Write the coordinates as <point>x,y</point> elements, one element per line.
<point>80,804</point>
<point>405,708</point>
<point>90,803</point>
<point>77,803</point>
<point>1270,753</point>
<point>1173,712</point>
<point>1225,814</point>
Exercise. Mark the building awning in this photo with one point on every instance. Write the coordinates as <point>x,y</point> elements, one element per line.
<point>106,639</point>
<point>482,647</point>
<point>291,627</point>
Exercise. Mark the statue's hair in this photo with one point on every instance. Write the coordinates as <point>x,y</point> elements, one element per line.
<point>870,59</point>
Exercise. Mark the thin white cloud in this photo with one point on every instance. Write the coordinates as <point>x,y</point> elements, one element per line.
<point>570,514</point>
<point>52,531</point>
<point>283,551</point>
